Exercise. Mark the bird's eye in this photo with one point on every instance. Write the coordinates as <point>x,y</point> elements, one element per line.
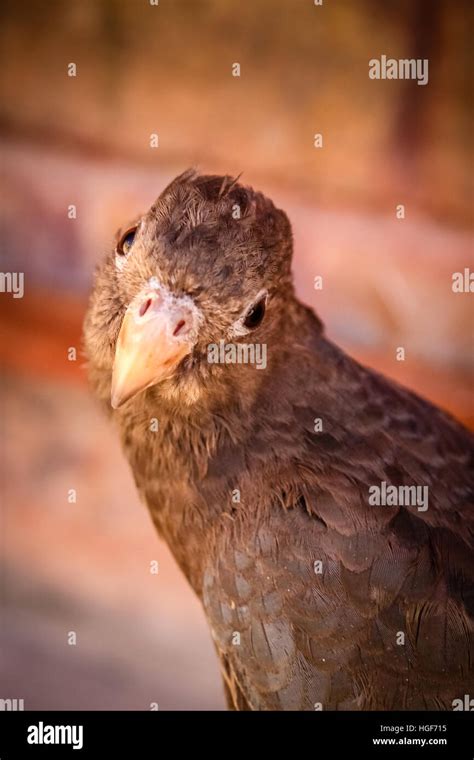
<point>126,242</point>
<point>256,314</point>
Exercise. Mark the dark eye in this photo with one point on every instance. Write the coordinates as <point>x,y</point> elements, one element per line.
<point>255,315</point>
<point>126,242</point>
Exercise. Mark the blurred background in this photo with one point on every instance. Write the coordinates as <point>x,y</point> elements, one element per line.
<point>83,566</point>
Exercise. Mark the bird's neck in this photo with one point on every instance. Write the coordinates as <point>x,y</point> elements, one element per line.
<point>185,468</point>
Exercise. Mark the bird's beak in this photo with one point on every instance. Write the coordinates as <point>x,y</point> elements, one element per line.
<point>158,330</point>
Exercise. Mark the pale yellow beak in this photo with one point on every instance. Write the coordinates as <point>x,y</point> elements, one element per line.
<point>158,330</point>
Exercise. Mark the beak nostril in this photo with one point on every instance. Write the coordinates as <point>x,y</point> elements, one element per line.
<point>179,327</point>
<point>144,307</point>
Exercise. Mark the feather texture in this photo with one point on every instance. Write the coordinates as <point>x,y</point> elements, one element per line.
<point>315,596</point>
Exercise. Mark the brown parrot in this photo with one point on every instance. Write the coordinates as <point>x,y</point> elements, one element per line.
<point>322,513</point>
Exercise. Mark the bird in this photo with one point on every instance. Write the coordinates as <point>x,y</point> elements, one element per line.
<point>321,512</point>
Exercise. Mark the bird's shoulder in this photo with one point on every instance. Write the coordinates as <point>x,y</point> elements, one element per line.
<point>315,595</point>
